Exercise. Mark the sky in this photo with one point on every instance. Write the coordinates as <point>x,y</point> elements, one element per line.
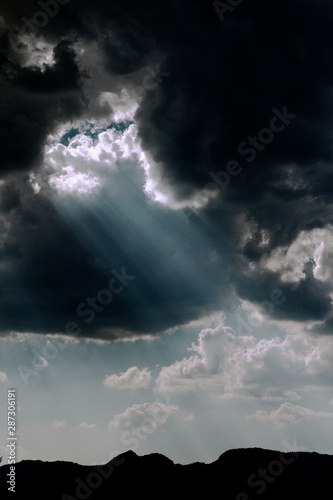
<point>166,227</point>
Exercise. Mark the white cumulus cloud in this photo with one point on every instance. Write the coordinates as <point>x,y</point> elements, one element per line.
<point>84,163</point>
<point>288,413</point>
<point>133,378</point>
<point>72,181</point>
<point>244,367</point>
<point>316,244</point>
<point>145,415</point>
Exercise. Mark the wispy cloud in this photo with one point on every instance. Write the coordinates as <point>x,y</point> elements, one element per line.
<point>84,425</point>
<point>59,424</point>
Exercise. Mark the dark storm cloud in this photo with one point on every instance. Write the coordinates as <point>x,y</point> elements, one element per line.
<point>225,78</point>
<point>53,275</point>
<point>226,82</point>
<point>34,102</point>
<point>323,328</point>
<point>9,196</point>
<point>304,301</point>
<point>62,76</point>
<point>264,60</point>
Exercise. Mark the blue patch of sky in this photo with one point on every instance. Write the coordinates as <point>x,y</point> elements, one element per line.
<point>90,130</point>
<point>66,138</point>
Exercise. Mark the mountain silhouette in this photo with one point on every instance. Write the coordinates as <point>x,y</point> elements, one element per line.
<point>240,474</point>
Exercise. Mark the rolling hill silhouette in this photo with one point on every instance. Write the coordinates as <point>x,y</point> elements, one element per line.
<point>241,474</point>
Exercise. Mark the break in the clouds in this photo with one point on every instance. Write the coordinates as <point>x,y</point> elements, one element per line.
<point>197,166</point>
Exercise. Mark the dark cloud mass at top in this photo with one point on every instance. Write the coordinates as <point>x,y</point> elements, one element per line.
<point>34,102</point>
<point>226,81</point>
